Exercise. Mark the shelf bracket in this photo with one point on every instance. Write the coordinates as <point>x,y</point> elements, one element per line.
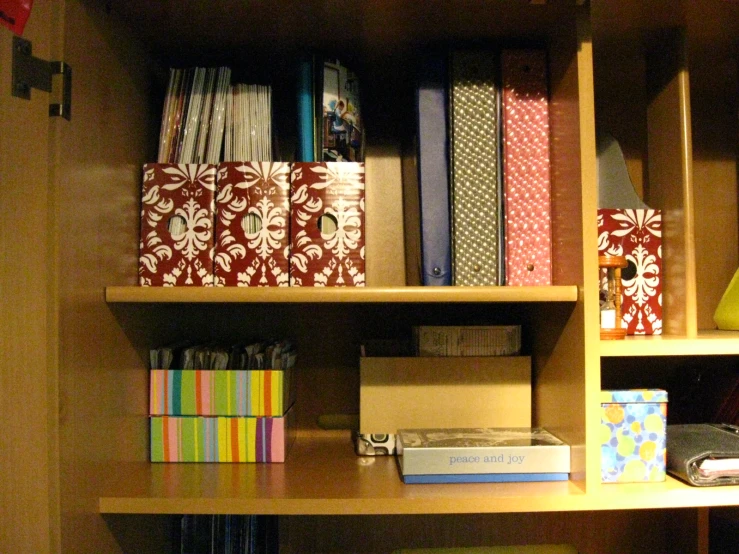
<point>30,72</point>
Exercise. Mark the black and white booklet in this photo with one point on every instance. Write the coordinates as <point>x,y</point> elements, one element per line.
<point>704,454</point>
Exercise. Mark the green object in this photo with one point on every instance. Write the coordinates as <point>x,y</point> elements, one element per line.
<point>188,393</point>
<point>222,400</point>
<point>157,440</point>
<point>727,313</point>
<point>189,429</point>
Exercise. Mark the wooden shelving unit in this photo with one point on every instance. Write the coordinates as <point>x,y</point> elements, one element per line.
<point>661,76</point>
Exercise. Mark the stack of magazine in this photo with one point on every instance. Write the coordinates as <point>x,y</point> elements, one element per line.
<point>481,455</point>
<point>193,117</point>
<point>248,135</point>
<point>206,119</point>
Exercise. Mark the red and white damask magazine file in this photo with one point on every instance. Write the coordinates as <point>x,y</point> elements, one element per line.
<point>327,225</point>
<point>526,175</point>
<point>252,224</point>
<point>177,219</point>
<point>636,234</point>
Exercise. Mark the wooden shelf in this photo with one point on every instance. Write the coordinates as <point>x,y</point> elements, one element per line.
<point>360,294</point>
<point>323,476</point>
<point>670,493</point>
<point>706,343</point>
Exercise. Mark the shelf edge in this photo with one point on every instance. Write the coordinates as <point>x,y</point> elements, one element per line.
<point>135,294</point>
<point>670,494</point>
<point>705,343</point>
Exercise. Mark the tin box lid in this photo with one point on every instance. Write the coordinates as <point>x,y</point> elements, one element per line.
<point>633,395</point>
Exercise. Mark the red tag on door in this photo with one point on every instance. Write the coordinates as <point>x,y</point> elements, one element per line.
<point>14,14</point>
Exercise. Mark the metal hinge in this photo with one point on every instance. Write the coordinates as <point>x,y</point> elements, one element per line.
<point>30,72</point>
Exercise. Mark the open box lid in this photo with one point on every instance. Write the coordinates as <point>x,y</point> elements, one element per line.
<point>632,396</point>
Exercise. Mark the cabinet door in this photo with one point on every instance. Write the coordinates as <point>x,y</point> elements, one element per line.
<point>27,406</point>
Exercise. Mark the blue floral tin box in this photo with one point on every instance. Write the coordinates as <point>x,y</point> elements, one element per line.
<point>633,426</point>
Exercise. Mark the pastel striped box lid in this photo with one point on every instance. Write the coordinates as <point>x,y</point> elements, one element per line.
<point>221,439</point>
<point>221,392</point>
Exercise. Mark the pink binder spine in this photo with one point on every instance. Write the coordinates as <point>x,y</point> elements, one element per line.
<point>253,219</point>
<point>526,174</point>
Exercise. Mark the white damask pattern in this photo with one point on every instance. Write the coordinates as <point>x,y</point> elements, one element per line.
<point>260,189</point>
<point>320,258</point>
<point>184,191</point>
<point>636,234</point>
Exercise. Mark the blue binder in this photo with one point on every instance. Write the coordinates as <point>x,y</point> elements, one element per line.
<point>306,149</point>
<point>433,173</point>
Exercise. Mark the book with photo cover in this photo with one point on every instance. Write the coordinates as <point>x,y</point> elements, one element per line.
<point>491,450</point>
<point>342,127</point>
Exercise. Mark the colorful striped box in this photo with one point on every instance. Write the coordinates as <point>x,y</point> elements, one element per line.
<point>221,439</point>
<point>220,392</point>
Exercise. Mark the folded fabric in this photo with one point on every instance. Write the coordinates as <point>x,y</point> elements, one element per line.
<point>704,454</point>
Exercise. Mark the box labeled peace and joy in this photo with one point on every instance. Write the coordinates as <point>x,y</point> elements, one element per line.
<point>633,425</point>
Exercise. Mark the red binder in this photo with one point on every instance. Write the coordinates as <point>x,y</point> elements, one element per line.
<point>526,174</point>
<point>177,217</point>
<point>327,224</point>
<point>252,224</point>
